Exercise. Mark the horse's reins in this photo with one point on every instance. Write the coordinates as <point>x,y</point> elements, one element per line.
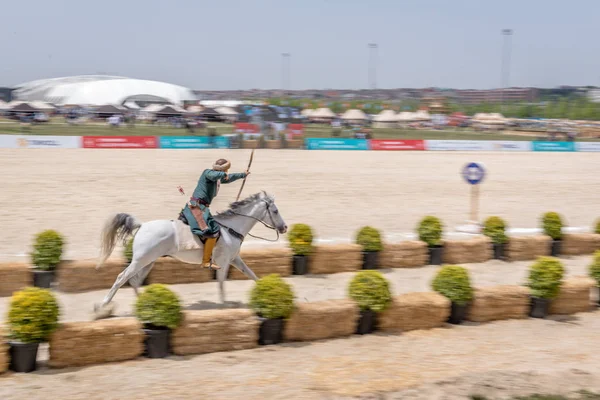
<point>256,219</point>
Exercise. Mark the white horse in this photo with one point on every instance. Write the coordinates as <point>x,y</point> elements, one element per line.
<point>174,238</point>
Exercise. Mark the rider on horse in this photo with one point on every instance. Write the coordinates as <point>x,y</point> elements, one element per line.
<point>197,212</point>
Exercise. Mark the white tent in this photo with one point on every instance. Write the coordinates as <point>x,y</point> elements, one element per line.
<point>152,108</point>
<point>405,116</point>
<point>354,115</point>
<point>386,116</point>
<point>422,115</point>
<point>323,113</point>
<point>226,111</point>
<point>195,109</point>
<point>307,112</point>
<point>40,105</point>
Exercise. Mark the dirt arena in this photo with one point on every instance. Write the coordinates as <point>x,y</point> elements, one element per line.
<point>336,192</point>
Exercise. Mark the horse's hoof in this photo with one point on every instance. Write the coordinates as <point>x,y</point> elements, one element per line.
<point>103,311</point>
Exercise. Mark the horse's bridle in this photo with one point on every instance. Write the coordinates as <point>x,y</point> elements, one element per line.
<point>241,237</point>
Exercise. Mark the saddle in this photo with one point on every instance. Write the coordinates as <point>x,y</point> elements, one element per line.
<point>201,223</point>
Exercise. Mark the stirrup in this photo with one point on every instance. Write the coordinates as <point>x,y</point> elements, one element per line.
<point>210,266</point>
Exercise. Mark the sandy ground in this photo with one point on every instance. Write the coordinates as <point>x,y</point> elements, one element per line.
<point>337,192</point>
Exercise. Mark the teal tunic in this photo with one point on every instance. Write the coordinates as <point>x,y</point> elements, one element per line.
<point>206,189</point>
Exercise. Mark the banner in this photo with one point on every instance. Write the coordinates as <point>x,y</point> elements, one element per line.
<point>397,144</point>
<point>588,146</point>
<point>244,127</point>
<point>39,142</point>
<point>553,146</point>
<point>500,145</point>
<point>336,144</point>
<point>193,142</point>
<point>459,145</point>
<point>295,129</point>
<point>120,142</point>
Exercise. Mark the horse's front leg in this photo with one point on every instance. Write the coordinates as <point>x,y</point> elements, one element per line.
<point>241,265</point>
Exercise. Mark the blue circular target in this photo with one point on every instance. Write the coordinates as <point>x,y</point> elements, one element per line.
<point>473,173</point>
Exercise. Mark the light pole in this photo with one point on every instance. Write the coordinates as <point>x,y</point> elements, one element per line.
<point>285,72</point>
<point>372,65</point>
<point>506,33</point>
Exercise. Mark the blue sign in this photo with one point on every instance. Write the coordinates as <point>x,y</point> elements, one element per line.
<point>336,144</point>
<point>473,173</point>
<point>554,146</point>
<point>194,142</point>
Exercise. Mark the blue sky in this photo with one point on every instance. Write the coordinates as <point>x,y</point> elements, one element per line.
<point>233,44</point>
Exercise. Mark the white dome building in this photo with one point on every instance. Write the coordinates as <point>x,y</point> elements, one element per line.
<point>95,90</point>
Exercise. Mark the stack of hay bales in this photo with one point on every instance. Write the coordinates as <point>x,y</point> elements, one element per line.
<point>467,251</point>
<point>209,331</point>
<point>522,248</point>
<point>84,343</point>
<point>322,320</point>
<point>170,271</point>
<point>406,254</point>
<point>265,262</point>
<point>574,296</point>
<point>82,276</point>
<point>3,352</point>
<point>574,244</point>
<point>14,277</point>
<point>336,258</point>
<point>498,303</point>
<point>415,311</point>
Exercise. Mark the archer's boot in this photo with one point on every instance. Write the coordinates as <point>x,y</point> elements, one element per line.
<point>208,249</point>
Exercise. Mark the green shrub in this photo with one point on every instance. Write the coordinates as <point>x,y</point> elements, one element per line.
<point>370,290</point>
<point>430,231</point>
<point>594,267</point>
<point>47,250</point>
<point>33,315</point>
<point>158,306</point>
<point>545,277</point>
<point>128,250</point>
<point>453,282</point>
<point>597,230</point>
<point>272,297</point>
<point>301,238</point>
<point>495,229</point>
<point>552,225</point>
<point>369,238</point>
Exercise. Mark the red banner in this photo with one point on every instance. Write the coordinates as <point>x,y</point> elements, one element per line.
<point>382,144</point>
<point>120,142</point>
<point>295,129</point>
<point>244,127</point>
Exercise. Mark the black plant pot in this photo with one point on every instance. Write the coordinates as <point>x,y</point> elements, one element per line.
<point>43,279</point>
<point>367,322</point>
<point>370,260</point>
<point>435,255</point>
<point>539,307</point>
<point>270,331</point>
<point>499,251</point>
<point>555,249</point>
<point>157,342</point>
<point>458,312</point>
<point>23,356</point>
<point>300,265</point>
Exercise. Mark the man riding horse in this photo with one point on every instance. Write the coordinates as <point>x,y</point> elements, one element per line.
<point>197,211</point>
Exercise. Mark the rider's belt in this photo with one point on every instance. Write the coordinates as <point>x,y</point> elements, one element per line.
<point>200,201</point>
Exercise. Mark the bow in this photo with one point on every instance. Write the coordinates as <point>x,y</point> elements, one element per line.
<point>247,169</point>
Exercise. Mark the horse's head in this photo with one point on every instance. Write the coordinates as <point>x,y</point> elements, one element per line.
<point>272,215</point>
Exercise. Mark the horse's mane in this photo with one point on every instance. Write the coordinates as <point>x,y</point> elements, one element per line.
<point>235,206</point>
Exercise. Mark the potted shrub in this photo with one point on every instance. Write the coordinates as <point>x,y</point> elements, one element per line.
<point>32,317</point>
<point>552,226</point>
<point>430,231</point>
<point>594,270</point>
<point>370,240</point>
<point>159,310</point>
<point>495,229</point>
<point>300,238</point>
<point>46,255</point>
<point>371,291</point>
<point>453,282</point>
<point>128,251</point>
<point>545,278</point>
<point>597,229</point>
<point>272,299</point>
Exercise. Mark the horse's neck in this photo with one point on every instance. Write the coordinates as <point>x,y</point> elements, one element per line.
<point>245,222</point>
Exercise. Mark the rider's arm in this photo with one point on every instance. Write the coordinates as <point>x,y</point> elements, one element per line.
<point>233,177</point>
<point>215,175</point>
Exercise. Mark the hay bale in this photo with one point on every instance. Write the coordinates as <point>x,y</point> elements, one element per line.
<point>82,276</point>
<point>574,244</point>
<point>407,254</point>
<point>84,343</point>
<point>209,331</point>
<point>322,320</point>
<point>265,262</point>
<point>499,302</point>
<point>272,144</point>
<point>4,357</point>
<point>250,144</point>
<point>170,271</point>
<point>14,277</point>
<point>336,258</point>
<point>295,143</point>
<point>412,311</point>
<point>522,248</point>
<point>574,296</point>
<point>476,250</point>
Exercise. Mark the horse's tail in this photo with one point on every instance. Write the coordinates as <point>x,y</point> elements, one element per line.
<point>116,228</point>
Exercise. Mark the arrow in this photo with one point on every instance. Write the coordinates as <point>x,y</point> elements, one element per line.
<point>247,169</point>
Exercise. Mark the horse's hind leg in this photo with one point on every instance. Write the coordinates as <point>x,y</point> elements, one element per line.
<point>103,310</point>
<point>137,280</point>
